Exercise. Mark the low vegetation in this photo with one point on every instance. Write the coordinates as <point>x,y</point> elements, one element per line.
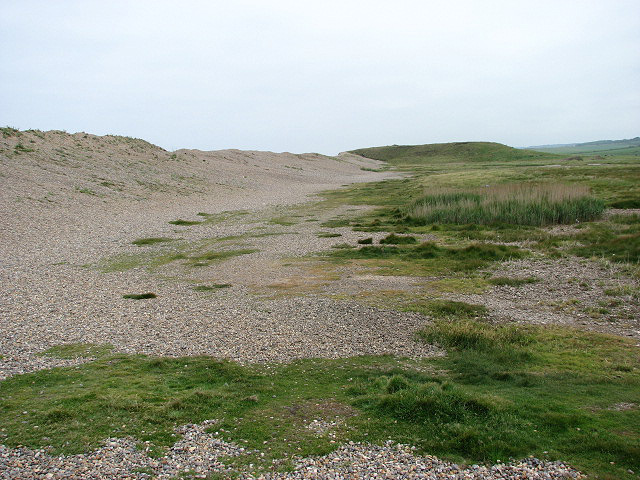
<point>429,257</point>
<point>448,309</point>
<point>516,204</point>
<point>150,240</point>
<point>328,235</point>
<point>211,287</point>
<point>184,223</point>
<point>207,258</point>
<point>393,239</point>
<point>502,392</point>
<point>139,296</point>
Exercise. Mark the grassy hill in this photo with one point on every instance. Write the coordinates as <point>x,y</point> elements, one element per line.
<point>457,152</point>
<point>601,147</point>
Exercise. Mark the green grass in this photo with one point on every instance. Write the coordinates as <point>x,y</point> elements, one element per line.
<point>10,132</point>
<point>615,181</point>
<point>623,248</point>
<point>190,255</point>
<point>393,239</point>
<point>86,191</point>
<point>184,223</point>
<point>518,204</point>
<point>459,152</point>
<point>19,148</point>
<point>139,296</point>
<point>207,258</point>
<point>365,241</point>
<point>430,257</point>
<point>150,240</point>
<point>502,392</point>
<point>447,309</point>
<point>151,260</point>
<point>211,287</point>
<point>328,235</point>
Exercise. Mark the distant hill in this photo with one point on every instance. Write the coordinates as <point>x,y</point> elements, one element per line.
<point>457,152</point>
<point>629,146</point>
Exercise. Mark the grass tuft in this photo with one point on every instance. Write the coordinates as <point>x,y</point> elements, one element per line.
<point>150,240</point>
<point>393,239</point>
<point>139,296</point>
<point>209,288</point>
<point>184,222</point>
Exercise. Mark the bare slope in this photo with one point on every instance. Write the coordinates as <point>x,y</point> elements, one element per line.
<point>57,167</point>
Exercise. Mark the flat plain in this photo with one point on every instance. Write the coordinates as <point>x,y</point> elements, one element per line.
<point>463,310</point>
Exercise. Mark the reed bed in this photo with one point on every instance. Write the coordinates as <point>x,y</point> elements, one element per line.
<point>519,204</point>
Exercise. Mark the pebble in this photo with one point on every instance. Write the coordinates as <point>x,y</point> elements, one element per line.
<point>199,452</point>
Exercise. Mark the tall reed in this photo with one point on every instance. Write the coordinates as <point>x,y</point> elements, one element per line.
<point>519,203</point>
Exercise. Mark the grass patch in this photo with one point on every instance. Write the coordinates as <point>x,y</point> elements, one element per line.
<point>150,241</point>
<point>328,235</point>
<point>448,309</point>
<point>624,248</point>
<point>365,241</point>
<point>393,239</point>
<point>211,287</point>
<point>342,246</point>
<point>518,204</point>
<point>124,262</point>
<point>513,281</point>
<point>184,223</point>
<point>456,152</point>
<point>207,258</point>
<point>86,191</point>
<point>10,132</point>
<point>430,257</point>
<point>19,148</point>
<point>139,296</point>
<point>501,392</point>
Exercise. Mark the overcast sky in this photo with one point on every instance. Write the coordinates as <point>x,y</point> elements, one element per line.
<point>323,76</point>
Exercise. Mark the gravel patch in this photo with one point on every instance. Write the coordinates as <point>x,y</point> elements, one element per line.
<point>393,461</point>
<point>570,291</point>
<point>198,454</point>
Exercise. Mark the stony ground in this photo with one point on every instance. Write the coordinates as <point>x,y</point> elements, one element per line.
<point>198,453</point>
<point>69,212</point>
